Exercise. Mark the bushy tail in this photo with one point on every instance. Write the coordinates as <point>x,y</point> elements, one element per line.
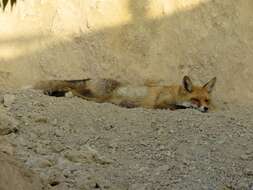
<point>57,87</point>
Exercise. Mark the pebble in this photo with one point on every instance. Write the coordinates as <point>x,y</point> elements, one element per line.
<point>249,171</point>
<point>162,169</point>
<point>5,131</point>
<point>7,148</point>
<point>85,156</point>
<point>55,122</point>
<point>8,99</point>
<point>39,162</point>
<point>59,133</point>
<point>57,147</point>
<point>69,95</point>
<point>245,157</point>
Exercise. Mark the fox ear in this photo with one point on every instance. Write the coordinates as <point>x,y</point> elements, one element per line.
<point>187,84</point>
<point>210,84</point>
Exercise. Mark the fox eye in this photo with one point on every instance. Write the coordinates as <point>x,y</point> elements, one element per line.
<point>206,100</point>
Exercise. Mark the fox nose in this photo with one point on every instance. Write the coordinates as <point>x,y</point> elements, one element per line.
<point>205,109</point>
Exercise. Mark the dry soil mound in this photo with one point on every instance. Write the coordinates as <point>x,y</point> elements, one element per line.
<point>13,176</point>
<point>75,144</point>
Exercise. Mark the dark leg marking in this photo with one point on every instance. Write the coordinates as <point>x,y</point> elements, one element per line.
<point>56,93</point>
<point>77,81</point>
<point>128,104</point>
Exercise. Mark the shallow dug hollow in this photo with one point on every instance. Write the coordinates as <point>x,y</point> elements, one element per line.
<point>75,144</point>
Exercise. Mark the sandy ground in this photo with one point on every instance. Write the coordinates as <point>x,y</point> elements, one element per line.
<point>74,144</point>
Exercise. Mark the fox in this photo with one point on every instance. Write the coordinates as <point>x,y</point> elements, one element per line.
<point>149,95</point>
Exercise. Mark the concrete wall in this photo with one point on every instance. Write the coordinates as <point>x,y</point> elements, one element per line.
<point>130,40</point>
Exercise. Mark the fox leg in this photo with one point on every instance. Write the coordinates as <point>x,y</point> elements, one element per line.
<point>81,95</point>
<point>56,92</point>
<point>128,104</point>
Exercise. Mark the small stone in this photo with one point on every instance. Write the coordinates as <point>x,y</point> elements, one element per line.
<point>245,157</point>
<point>62,163</point>
<point>222,141</point>
<point>7,148</point>
<point>86,156</point>
<point>57,147</point>
<point>8,99</point>
<point>168,153</point>
<point>161,131</point>
<point>58,133</point>
<point>45,164</point>
<point>88,183</point>
<point>69,95</point>
<point>249,171</point>
<point>113,145</point>
<point>109,127</point>
<point>39,162</point>
<point>6,131</point>
<point>55,122</point>
<point>171,131</point>
<point>162,169</point>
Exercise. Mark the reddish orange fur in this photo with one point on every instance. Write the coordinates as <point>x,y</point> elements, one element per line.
<point>147,96</point>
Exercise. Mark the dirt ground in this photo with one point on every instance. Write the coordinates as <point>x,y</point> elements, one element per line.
<point>73,144</point>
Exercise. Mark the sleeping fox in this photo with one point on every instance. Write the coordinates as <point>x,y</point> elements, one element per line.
<point>149,95</point>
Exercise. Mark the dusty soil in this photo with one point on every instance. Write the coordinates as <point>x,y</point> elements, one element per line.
<point>74,144</point>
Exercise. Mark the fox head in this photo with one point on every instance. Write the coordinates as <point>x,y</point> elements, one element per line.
<point>198,97</point>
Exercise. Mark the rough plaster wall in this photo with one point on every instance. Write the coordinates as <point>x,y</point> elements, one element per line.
<point>130,40</point>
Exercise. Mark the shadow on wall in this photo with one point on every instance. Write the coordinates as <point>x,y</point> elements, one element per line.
<point>212,39</point>
<point>3,3</point>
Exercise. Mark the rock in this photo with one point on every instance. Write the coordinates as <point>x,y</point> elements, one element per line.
<point>69,95</point>
<point>162,169</point>
<point>55,122</point>
<point>6,147</point>
<point>246,157</point>
<point>249,171</point>
<point>39,162</point>
<point>6,131</point>
<point>7,125</point>
<point>57,147</point>
<point>59,133</point>
<point>87,155</point>
<point>8,99</point>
